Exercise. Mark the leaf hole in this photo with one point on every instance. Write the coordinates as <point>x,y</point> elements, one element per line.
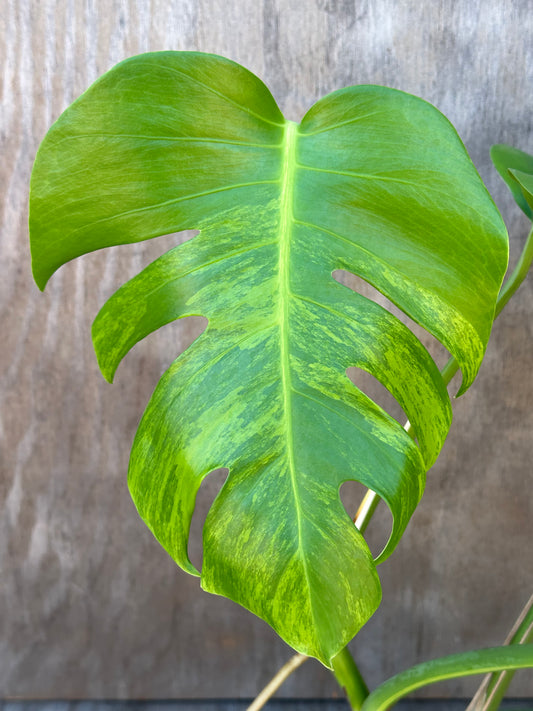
<point>152,356</point>
<point>379,529</point>
<point>455,384</point>
<point>111,267</point>
<point>186,330</point>
<point>378,393</point>
<point>436,350</point>
<point>207,493</point>
<point>352,494</point>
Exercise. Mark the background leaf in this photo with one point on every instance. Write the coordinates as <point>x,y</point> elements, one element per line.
<point>373,181</point>
<point>525,181</point>
<point>479,661</point>
<point>515,167</point>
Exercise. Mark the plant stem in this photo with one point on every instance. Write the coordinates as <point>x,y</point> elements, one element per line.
<point>276,681</point>
<point>366,510</point>
<point>349,677</point>
<point>518,275</point>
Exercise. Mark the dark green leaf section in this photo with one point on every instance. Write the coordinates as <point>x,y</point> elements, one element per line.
<point>516,168</point>
<point>390,171</point>
<point>373,181</point>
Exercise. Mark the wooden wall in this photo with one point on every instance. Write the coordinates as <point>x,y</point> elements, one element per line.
<point>90,605</point>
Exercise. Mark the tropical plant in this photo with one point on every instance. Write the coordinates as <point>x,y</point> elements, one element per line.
<point>372,181</point>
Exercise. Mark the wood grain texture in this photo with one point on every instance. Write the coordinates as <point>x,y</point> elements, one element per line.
<point>90,606</point>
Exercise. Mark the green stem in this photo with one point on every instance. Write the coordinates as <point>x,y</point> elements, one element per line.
<point>349,677</point>
<point>518,275</point>
<point>449,370</point>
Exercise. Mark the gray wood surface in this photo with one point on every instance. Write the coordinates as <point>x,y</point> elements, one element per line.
<point>90,606</point>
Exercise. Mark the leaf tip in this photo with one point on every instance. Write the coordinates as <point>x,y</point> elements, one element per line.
<point>40,276</point>
<point>108,368</point>
<point>108,371</point>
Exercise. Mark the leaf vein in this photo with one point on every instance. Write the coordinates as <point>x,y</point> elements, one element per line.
<point>174,201</point>
<point>189,139</point>
<point>203,265</point>
<point>218,93</point>
<point>340,124</point>
<point>388,178</point>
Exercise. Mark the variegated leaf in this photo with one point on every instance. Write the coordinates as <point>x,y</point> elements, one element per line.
<point>373,181</point>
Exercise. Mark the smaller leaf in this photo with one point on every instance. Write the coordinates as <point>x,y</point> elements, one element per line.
<point>450,667</point>
<point>516,168</point>
<point>494,687</point>
<point>525,180</point>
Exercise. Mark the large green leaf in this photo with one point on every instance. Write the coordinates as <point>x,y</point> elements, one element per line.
<point>373,181</point>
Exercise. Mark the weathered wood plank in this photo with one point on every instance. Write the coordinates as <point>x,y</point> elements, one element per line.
<point>90,606</point>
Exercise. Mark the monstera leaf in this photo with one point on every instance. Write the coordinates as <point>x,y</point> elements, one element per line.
<point>373,181</point>
<point>516,168</point>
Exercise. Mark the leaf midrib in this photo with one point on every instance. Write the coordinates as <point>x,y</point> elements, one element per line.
<point>285,234</point>
<point>289,165</point>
